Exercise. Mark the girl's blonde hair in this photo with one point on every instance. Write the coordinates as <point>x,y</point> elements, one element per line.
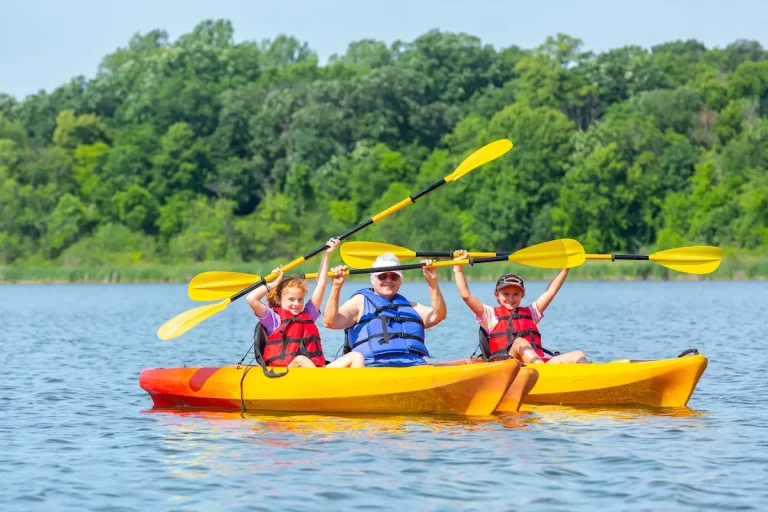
<point>276,293</point>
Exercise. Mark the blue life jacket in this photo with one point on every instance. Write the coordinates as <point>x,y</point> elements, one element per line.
<point>387,330</point>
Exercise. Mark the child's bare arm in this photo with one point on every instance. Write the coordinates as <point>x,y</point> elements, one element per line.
<point>322,273</point>
<point>542,302</point>
<point>470,300</point>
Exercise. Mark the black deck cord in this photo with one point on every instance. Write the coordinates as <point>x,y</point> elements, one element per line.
<point>689,351</point>
<point>242,397</point>
<point>258,358</point>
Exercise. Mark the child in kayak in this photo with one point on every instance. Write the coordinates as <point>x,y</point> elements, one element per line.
<point>508,329</point>
<point>292,338</point>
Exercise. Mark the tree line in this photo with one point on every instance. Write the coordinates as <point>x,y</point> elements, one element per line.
<point>203,149</point>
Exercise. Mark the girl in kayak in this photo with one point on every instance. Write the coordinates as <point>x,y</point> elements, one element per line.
<point>508,329</point>
<point>292,338</point>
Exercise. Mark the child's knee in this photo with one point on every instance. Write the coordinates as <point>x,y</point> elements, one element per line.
<point>577,356</point>
<point>302,362</point>
<point>521,344</point>
<point>358,359</point>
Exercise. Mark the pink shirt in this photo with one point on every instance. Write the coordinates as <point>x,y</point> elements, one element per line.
<point>271,320</point>
<point>488,319</point>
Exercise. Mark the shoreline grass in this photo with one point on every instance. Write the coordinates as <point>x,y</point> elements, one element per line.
<point>734,267</point>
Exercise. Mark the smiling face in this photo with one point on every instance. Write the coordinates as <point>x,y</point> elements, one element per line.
<point>510,296</point>
<point>292,299</point>
<point>387,284</point>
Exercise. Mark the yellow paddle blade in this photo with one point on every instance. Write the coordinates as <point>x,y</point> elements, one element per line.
<point>362,254</point>
<point>219,285</point>
<point>698,259</point>
<point>482,156</point>
<point>180,324</point>
<point>562,253</point>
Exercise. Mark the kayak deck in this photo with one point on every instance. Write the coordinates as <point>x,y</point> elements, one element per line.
<point>462,390</point>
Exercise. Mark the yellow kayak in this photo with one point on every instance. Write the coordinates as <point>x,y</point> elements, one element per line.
<point>660,383</point>
<point>464,390</point>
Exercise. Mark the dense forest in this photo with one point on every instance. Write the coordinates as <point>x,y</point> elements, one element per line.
<point>201,149</point>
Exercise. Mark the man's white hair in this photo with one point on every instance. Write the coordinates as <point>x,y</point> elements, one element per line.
<point>385,260</point>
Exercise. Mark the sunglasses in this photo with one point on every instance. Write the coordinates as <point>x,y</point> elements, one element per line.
<point>391,275</point>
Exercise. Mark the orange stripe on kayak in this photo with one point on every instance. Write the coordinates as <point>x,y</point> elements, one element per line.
<point>201,376</point>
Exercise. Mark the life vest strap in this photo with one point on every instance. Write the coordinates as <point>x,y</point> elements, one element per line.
<point>515,316</point>
<point>286,341</point>
<point>385,337</point>
<point>305,352</point>
<point>385,307</point>
<point>396,318</point>
<point>296,321</point>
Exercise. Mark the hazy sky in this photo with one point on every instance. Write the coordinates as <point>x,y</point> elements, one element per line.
<point>44,43</point>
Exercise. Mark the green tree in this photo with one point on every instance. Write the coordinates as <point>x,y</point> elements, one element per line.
<point>266,233</point>
<point>64,225</point>
<point>72,131</point>
<point>182,162</point>
<point>136,208</point>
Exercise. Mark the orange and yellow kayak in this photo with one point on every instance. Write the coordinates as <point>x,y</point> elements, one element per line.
<point>473,389</point>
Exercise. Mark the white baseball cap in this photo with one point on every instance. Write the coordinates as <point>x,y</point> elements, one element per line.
<point>386,260</point>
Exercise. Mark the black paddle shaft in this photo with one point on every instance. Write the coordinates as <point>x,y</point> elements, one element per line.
<point>634,257</point>
<point>412,266</point>
<point>413,198</point>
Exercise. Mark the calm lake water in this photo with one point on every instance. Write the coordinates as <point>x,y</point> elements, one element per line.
<point>77,433</point>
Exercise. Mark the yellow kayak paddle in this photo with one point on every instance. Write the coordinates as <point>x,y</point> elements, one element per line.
<point>563,253</point>
<point>180,324</point>
<point>692,260</point>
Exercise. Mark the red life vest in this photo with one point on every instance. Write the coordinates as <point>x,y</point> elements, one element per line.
<point>514,324</point>
<point>297,335</point>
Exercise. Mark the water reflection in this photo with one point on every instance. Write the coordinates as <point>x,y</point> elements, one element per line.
<point>615,414</point>
<point>197,443</point>
<point>326,427</point>
<point>351,425</point>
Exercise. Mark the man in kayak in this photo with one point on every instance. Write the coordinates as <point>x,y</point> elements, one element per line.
<point>292,338</point>
<point>509,330</point>
<point>381,324</point>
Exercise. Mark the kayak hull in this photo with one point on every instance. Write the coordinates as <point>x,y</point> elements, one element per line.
<point>521,385</point>
<point>520,388</point>
<point>660,383</point>
<point>465,390</point>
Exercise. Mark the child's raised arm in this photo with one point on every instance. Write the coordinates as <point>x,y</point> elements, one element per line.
<point>254,298</point>
<point>322,273</point>
<point>475,304</point>
<point>543,302</point>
